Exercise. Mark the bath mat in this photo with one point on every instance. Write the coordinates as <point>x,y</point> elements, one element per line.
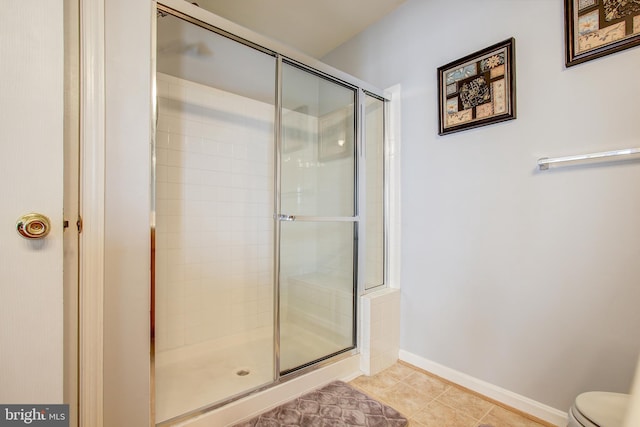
<point>335,405</point>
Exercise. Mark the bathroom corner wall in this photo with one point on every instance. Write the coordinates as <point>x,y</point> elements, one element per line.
<point>379,330</point>
<point>521,278</point>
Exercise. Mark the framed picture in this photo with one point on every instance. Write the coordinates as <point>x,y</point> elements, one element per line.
<point>594,28</point>
<point>336,132</point>
<point>479,89</point>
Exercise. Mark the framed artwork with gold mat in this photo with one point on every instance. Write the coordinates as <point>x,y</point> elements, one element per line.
<point>594,28</point>
<point>479,89</point>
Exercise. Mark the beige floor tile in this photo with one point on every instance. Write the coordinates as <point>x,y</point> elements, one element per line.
<point>437,414</point>
<point>432,386</point>
<point>427,401</point>
<point>466,402</point>
<point>405,399</point>
<point>375,384</point>
<point>500,417</point>
<point>399,371</point>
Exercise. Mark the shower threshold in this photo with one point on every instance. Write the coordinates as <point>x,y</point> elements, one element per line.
<point>192,378</point>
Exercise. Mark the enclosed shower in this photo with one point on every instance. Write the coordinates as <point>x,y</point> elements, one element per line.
<point>268,220</point>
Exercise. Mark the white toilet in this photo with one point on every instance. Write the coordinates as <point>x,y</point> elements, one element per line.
<point>598,409</point>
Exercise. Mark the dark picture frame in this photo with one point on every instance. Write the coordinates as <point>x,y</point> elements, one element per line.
<point>595,28</point>
<point>479,89</point>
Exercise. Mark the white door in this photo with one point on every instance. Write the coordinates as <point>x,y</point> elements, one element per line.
<point>31,167</point>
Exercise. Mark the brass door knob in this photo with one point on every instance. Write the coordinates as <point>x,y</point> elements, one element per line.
<point>33,226</point>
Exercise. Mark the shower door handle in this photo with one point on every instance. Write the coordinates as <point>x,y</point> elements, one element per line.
<point>283,217</point>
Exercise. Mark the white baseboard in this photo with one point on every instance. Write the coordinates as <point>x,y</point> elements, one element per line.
<point>506,397</point>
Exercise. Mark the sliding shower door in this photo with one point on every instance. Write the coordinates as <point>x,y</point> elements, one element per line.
<point>256,221</point>
<point>214,157</point>
<point>317,218</point>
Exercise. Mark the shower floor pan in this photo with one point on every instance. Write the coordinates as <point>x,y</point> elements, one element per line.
<point>200,375</point>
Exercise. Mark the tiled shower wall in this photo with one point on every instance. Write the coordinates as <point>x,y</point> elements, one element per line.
<point>214,214</point>
<point>214,221</point>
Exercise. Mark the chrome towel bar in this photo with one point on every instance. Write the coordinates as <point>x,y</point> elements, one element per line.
<point>544,162</point>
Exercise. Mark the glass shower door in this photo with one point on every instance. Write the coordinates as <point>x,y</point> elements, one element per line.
<point>317,219</point>
<point>214,248</point>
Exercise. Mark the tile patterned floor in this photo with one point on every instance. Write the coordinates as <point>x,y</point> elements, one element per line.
<point>428,401</point>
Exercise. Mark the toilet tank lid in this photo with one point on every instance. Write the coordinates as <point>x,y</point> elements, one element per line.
<point>604,409</point>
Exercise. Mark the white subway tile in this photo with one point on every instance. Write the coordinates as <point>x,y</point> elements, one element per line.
<point>210,146</point>
<point>193,272</point>
<point>175,174</point>
<point>214,211</point>
<point>174,125</point>
<point>162,173</point>
<point>225,150</point>
<point>240,151</point>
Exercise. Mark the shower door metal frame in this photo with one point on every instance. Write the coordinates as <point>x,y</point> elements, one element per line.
<point>211,22</point>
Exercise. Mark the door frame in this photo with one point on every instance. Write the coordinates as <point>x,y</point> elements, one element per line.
<point>114,244</point>
<point>71,204</point>
<point>92,208</point>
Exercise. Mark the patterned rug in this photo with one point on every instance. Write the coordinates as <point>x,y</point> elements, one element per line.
<point>335,405</point>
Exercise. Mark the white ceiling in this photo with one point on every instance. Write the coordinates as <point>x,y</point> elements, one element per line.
<point>314,27</point>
